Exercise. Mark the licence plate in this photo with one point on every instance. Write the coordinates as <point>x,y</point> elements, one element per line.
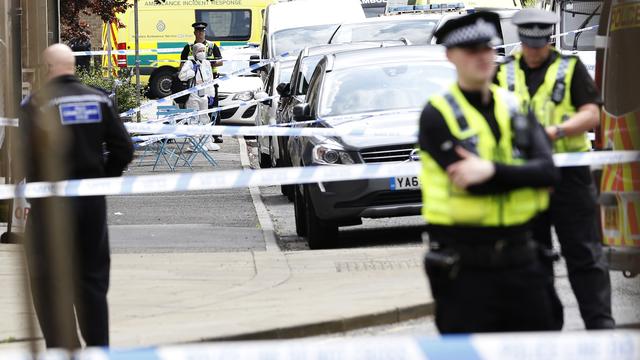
<point>404,183</point>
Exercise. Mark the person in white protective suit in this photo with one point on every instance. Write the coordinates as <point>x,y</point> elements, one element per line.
<point>200,70</point>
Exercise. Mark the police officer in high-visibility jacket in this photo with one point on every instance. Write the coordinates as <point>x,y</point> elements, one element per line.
<point>485,169</point>
<point>211,49</point>
<point>559,90</point>
<point>80,126</point>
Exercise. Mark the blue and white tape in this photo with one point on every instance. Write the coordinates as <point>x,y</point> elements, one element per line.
<point>599,345</point>
<point>594,27</point>
<point>9,122</point>
<point>228,179</point>
<point>182,116</point>
<point>144,51</point>
<point>195,89</point>
<point>410,133</point>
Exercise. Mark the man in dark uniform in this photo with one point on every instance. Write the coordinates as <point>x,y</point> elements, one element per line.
<point>213,55</point>
<point>559,90</point>
<point>213,51</point>
<point>79,124</point>
<point>486,167</point>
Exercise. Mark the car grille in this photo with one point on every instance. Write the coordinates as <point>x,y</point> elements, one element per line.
<point>385,198</point>
<point>249,112</point>
<point>227,113</point>
<point>393,153</point>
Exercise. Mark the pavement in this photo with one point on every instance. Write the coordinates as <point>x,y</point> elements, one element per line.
<point>170,285</point>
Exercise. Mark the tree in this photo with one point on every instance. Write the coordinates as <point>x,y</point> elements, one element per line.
<point>75,30</point>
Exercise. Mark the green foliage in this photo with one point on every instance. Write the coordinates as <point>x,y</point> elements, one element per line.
<point>125,90</point>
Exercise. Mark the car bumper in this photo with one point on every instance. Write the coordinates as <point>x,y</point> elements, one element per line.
<point>363,198</point>
<point>243,115</point>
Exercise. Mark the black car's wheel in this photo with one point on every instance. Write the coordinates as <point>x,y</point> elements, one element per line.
<point>299,211</point>
<point>321,234</point>
<point>287,190</point>
<point>160,82</point>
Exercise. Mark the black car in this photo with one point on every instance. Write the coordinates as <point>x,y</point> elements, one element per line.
<point>294,92</point>
<point>382,88</point>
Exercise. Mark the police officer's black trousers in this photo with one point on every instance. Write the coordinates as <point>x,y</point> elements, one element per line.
<point>490,292</point>
<point>91,263</point>
<point>573,213</point>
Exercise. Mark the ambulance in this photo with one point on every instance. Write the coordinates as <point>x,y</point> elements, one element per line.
<point>166,29</point>
<point>618,75</point>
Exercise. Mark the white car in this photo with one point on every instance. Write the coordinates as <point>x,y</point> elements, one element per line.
<point>239,88</point>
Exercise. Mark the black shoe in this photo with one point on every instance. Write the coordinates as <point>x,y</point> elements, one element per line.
<point>218,140</point>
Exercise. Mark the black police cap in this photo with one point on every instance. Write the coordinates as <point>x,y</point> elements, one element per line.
<point>535,26</point>
<point>200,25</point>
<point>479,28</point>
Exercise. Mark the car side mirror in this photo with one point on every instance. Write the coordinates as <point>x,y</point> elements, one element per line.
<point>301,112</point>
<point>284,89</point>
<point>260,96</point>
<point>253,60</point>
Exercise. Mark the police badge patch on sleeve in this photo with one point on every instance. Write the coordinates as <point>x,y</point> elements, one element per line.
<point>80,113</point>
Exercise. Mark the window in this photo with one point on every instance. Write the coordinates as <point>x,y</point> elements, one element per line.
<point>575,15</point>
<point>226,25</point>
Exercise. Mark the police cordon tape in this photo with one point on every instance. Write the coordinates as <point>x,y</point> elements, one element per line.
<point>208,84</point>
<point>194,130</point>
<point>595,345</point>
<point>9,122</point>
<point>594,27</point>
<point>228,179</point>
<point>146,51</point>
<point>182,116</point>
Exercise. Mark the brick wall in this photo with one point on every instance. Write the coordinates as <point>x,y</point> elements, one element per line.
<point>95,25</point>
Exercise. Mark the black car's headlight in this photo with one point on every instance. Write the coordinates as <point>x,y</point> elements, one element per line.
<point>330,154</point>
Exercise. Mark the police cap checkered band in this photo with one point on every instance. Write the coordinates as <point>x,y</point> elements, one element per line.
<point>480,32</point>
<point>478,28</point>
<point>536,31</point>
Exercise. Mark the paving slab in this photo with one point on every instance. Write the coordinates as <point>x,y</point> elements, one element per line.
<point>189,297</point>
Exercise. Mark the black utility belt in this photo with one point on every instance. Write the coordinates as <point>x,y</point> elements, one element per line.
<point>497,254</point>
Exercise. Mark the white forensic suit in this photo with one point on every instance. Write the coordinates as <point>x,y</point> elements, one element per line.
<point>200,100</point>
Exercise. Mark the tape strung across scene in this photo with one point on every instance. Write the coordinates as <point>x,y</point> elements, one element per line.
<point>599,345</point>
<point>9,122</point>
<point>168,99</point>
<point>228,179</point>
<point>209,111</point>
<point>594,27</point>
<point>145,51</point>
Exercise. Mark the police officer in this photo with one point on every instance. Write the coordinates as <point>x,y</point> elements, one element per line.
<point>213,54</point>
<point>86,127</point>
<point>212,50</point>
<point>563,96</point>
<point>485,166</point>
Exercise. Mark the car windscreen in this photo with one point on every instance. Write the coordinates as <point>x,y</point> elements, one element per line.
<point>578,14</point>
<point>383,87</point>
<point>418,32</point>
<point>294,40</point>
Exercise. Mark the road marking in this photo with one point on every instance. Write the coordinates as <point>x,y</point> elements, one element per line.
<point>256,196</point>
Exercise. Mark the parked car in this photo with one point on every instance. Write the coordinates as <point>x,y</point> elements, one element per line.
<point>267,110</point>
<point>290,26</point>
<point>382,88</point>
<point>295,91</point>
<point>239,88</point>
<point>415,29</point>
